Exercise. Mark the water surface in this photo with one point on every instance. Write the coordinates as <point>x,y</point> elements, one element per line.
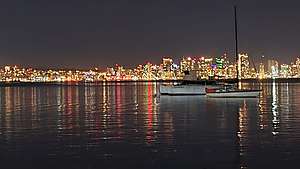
<point>125,125</point>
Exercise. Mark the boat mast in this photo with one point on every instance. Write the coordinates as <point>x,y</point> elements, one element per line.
<point>236,42</point>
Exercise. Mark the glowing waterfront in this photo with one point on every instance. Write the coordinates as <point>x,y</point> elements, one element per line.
<point>203,68</point>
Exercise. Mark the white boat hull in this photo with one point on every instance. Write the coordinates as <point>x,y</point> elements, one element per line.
<point>235,94</point>
<point>182,89</point>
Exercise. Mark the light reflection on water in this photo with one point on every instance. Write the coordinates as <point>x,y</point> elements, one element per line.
<point>113,125</point>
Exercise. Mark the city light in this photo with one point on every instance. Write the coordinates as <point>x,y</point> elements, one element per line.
<point>202,67</point>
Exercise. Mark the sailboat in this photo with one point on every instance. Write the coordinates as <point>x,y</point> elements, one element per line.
<point>229,91</point>
<point>225,92</point>
<point>189,86</point>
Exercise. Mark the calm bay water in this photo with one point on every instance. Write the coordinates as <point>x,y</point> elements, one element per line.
<point>124,125</point>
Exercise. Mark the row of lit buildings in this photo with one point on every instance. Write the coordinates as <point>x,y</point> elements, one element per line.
<point>202,67</point>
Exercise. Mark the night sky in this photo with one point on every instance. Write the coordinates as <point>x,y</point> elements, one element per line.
<point>100,33</point>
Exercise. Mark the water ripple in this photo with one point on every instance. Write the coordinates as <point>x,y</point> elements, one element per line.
<point>117,125</point>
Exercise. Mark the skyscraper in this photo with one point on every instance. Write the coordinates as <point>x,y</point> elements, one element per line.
<point>273,68</point>
<point>284,70</point>
<point>261,71</point>
<point>243,66</point>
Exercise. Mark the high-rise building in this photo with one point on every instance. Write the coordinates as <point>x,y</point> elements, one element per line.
<point>231,71</point>
<point>187,64</point>
<point>221,66</point>
<point>261,71</point>
<point>209,67</point>
<point>294,70</point>
<point>273,68</point>
<point>298,66</point>
<point>284,70</point>
<point>167,64</point>
<point>243,66</point>
<point>147,71</point>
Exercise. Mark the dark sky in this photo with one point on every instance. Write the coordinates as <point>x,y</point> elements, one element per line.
<point>88,33</point>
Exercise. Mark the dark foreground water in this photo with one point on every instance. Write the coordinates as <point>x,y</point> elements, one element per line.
<point>124,125</point>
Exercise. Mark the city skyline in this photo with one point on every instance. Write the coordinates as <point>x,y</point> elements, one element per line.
<point>189,68</point>
<point>254,60</point>
<point>85,34</point>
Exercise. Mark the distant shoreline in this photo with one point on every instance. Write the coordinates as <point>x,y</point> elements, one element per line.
<point>76,83</point>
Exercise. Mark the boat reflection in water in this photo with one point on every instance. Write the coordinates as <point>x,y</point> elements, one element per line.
<point>117,125</point>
